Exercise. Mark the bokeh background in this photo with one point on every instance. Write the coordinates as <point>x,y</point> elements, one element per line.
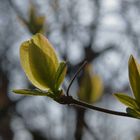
<point>103,32</point>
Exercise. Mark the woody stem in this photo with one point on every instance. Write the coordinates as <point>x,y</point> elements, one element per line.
<point>71,101</point>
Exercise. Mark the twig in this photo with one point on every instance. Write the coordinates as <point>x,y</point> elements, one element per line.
<point>70,101</point>
<point>75,75</point>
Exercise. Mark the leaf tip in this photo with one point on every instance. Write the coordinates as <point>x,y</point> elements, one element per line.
<point>15,91</point>
<point>131,59</point>
<point>115,95</point>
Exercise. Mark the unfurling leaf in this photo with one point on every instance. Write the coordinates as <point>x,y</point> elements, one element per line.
<point>36,22</point>
<point>35,92</point>
<point>60,74</point>
<point>91,87</point>
<point>40,63</point>
<point>97,89</point>
<point>85,89</point>
<point>134,77</point>
<point>133,113</point>
<point>128,101</point>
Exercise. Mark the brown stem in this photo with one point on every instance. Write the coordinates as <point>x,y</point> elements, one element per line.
<point>75,75</point>
<point>70,101</point>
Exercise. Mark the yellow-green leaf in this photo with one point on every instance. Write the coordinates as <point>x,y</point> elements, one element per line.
<point>36,22</point>
<point>128,101</point>
<point>32,92</point>
<point>43,43</point>
<point>91,86</point>
<point>134,77</point>
<point>97,88</point>
<point>60,74</point>
<point>85,89</point>
<point>133,113</point>
<point>39,62</point>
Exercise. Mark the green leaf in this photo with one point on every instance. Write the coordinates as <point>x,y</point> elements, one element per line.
<point>39,62</point>
<point>133,113</point>
<point>97,88</point>
<point>128,101</point>
<point>36,22</point>
<point>32,92</point>
<point>134,77</point>
<point>85,89</point>
<point>91,86</point>
<point>60,74</point>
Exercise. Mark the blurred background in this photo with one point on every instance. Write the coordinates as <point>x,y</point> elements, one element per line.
<point>103,32</point>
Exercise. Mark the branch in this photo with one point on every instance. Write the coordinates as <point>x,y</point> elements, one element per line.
<point>71,101</point>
